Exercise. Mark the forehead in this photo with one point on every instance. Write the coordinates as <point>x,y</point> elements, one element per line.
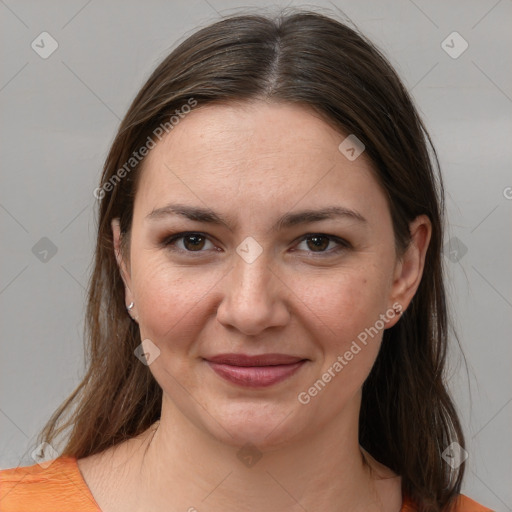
<point>255,155</point>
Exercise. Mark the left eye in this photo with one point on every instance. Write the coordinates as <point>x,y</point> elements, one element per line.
<point>319,243</point>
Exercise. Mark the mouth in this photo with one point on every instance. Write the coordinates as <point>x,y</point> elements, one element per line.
<point>255,371</point>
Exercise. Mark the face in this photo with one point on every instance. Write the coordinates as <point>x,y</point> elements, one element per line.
<point>296,257</point>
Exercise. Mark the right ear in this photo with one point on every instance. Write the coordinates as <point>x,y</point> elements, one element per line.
<point>123,268</point>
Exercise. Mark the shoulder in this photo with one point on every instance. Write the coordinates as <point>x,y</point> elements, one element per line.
<point>53,486</point>
<point>461,504</point>
<point>465,504</point>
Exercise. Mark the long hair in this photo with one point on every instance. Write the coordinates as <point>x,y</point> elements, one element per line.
<point>407,418</point>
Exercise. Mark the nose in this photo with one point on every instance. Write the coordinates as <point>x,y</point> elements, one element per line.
<point>254,297</point>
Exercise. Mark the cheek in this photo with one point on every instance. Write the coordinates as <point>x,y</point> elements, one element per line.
<point>343,311</point>
<point>333,306</point>
<point>343,304</point>
<point>170,297</point>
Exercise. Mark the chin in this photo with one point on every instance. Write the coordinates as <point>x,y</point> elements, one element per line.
<point>264,427</point>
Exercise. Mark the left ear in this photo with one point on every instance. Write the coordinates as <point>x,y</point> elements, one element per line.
<point>409,268</point>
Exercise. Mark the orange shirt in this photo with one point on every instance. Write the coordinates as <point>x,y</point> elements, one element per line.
<point>60,487</point>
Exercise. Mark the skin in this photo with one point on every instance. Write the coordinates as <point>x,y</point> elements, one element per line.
<point>252,163</point>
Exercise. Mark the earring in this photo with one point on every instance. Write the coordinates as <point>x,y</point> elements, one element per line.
<point>398,311</point>
<point>129,309</point>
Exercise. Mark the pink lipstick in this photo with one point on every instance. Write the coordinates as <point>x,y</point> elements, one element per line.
<point>255,371</point>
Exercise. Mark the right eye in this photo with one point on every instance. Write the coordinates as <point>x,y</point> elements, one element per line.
<point>187,242</point>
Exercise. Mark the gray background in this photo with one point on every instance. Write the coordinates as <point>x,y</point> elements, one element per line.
<point>59,116</point>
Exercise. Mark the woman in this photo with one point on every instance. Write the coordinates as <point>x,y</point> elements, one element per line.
<point>267,321</point>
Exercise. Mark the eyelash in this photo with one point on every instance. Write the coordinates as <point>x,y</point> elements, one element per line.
<point>342,244</point>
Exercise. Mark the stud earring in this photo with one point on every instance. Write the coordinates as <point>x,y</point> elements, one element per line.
<point>129,309</point>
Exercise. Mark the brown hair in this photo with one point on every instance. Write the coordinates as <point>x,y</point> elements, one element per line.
<point>407,417</point>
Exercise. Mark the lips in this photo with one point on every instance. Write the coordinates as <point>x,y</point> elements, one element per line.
<point>257,360</point>
<point>255,371</point>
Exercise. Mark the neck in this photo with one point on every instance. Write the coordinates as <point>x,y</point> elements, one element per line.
<point>183,465</point>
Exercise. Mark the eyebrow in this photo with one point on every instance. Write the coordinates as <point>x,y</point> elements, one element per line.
<point>288,220</point>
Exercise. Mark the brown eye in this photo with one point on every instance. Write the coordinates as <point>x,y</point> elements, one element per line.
<point>318,243</point>
<point>193,242</point>
<point>188,242</point>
